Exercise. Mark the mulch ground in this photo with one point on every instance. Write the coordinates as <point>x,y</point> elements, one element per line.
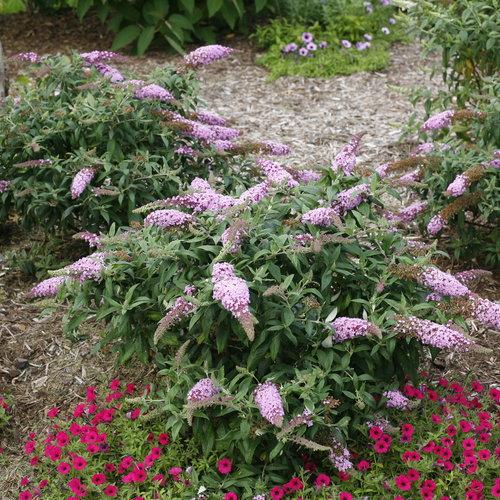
<point>39,367</point>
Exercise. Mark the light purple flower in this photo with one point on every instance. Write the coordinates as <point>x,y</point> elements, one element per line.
<point>210,118</point>
<point>433,334</point>
<point>381,170</point>
<point>234,238</point>
<point>340,456</point>
<point>180,309</point>
<point>385,3</point>
<point>411,211</point>
<point>458,186</point>
<point>81,180</point>
<point>275,173</point>
<point>311,46</point>
<point>49,287</point>
<point>307,37</point>
<point>98,56</point>
<point>167,219</point>
<point>346,43</point>
<point>255,193</point>
<point>112,74</point>
<point>435,225</point>
<point>443,283</point>
<point>4,185</point>
<point>31,57</point>
<point>367,37</point>
<point>348,328</point>
<point>291,47</point>
<point>346,158</point>
<point>410,178</point>
<point>362,45</point>
<point>319,216</point>
<point>306,176</point>
<point>486,312</point>
<point>203,390</point>
<point>351,198</point>
<point>275,148</point>
<point>234,296</point>
<point>392,20</point>
<point>92,239</point>
<point>438,121</point>
<point>207,55</point>
<point>303,51</point>
<point>268,400</point>
<point>396,399</point>
<point>472,275</point>
<point>186,151</point>
<point>385,30</point>
<point>423,149</point>
<point>87,268</point>
<point>323,45</point>
<point>153,92</point>
<point>221,146</point>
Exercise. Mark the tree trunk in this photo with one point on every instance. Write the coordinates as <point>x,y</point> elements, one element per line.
<point>3,76</point>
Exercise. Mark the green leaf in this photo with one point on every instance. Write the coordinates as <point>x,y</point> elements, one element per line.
<point>188,5</point>
<point>82,7</point>
<point>155,10</point>
<point>174,44</point>
<point>145,39</point>
<point>259,5</point>
<point>213,6</point>
<point>125,36</point>
<point>182,21</point>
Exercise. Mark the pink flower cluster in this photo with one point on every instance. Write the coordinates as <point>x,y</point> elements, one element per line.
<point>275,173</point>
<point>423,149</point>
<point>207,55</point>
<point>179,310</point>
<point>458,186</point>
<point>348,328</point>
<point>275,148</point>
<point>153,92</point>
<point>186,151</point>
<point>87,268</point>
<point>210,118</point>
<point>233,238</point>
<point>346,158</point>
<point>438,121</point>
<point>232,292</point>
<point>323,216</point>
<point>81,180</point>
<point>112,74</point>
<point>31,57</point>
<point>167,219</point>
<point>98,56</point>
<point>92,239</point>
<point>203,390</point>
<point>410,178</point>
<point>396,399</point>
<point>410,212</point>
<point>4,185</point>
<point>49,287</point>
<point>442,283</point>
<point>486,311</point>
<point>340,457</point>
<point>435,225</point>
<point>255,193</point>
<point>433,334</point>
<point>351,198</point>
<point>268,400</point>
<point>472,275</point>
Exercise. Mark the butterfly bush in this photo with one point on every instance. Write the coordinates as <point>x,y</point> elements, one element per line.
<point>349,328</point>
<point>346,158</point>
<point>167,219</point>
<point>207,55</point>
<point>82,175</point>
<point>203,390</point>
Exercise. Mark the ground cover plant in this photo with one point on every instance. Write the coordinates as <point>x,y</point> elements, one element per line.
<point>83,146</point>
<point>329,38</point>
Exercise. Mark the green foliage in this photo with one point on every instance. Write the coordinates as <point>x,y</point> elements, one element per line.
<point>11,6</point>
<point>333,22</point>
<point>175,22</point>
<point>74,118</point>
<point>467,33</point>
<point>4,412</point>
<point>294,293</point>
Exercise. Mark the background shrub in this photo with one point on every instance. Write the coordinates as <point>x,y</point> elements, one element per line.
<point>71,119</point>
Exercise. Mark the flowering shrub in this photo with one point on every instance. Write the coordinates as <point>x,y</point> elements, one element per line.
<point>341,38</point>
<point>273,311</point>
<point>456,172</point>
<point>83,146</point>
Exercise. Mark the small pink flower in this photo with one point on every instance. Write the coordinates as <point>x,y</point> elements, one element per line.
<point>52,413</point>
<point>224,466</point>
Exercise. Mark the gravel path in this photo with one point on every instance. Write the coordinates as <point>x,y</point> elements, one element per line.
<point>317,116</point>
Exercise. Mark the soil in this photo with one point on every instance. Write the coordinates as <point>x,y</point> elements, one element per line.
<point>40,367</point>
